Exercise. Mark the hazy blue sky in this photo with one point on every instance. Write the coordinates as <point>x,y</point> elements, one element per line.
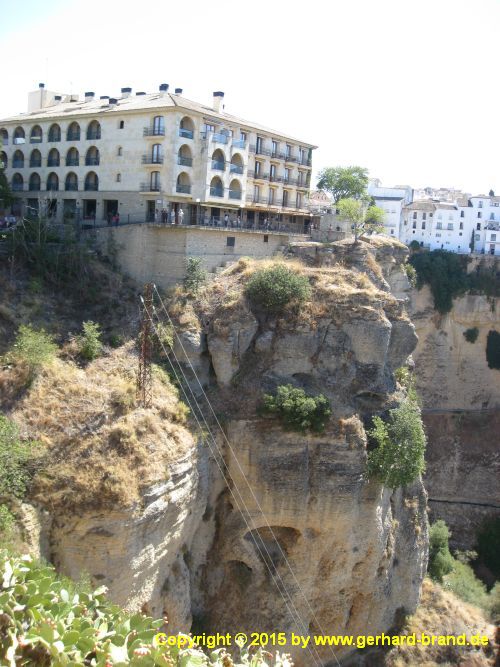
<point>409,89</point>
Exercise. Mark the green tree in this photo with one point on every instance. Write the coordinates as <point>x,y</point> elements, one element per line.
<point>33,348</point>
<point>444,272</point>
<point>274,288</point>
<point>196,276</point>
<point>362,220</point>
<point>297,410</point>
<point>344,182</point>
<point>441,562</point>
<point>89,341</point>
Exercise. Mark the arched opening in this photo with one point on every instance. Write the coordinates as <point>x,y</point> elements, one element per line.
<point>236,164</point>
<point>71,182</point>
<point>19,137</point>
<point>186,128</point>
<point>73,133</point>
<point>94,130</point>
<point>54,158</point>
<point>184,156</point>
<point>235,189</point>
<point>154,181</point>
<point>54,132</point>
<point>72,157</point>
<point>91,181</point>
<point>183,183</point>
<point>119,152</point>
<point>52,181</point>
<point>18,160</point>
<point>4,135</point>
<point>216,187</point>
<point>35,158</point>
<point>92,158</point>
<point>36,135</point>
<point>34,184</point>
<point>3,160</point>
<point>157,154</point>
<point>17,182</point>
<point>158,126</point>
<point>218,160</point>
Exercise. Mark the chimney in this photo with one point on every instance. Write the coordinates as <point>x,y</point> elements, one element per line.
<point>89,97</point>
<point>218,97</point>
<point>163,88</point>
<point>141,93</point>
<point>112,101</point>
<point>126,92</point>
<point>57,99</point>
<point>178,91</point>
<point>104,97</point>
<point>41,85</point>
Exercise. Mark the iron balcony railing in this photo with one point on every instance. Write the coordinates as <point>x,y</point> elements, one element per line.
<point>236,169</point>
<point>72,162</point>
<point>91,187</point>
<point>260,150</point>
<point>216,192</point>
<point>305,162</point>
<point>219,166</point>
<point>73,136</point>
<point>239,143</point>
<point>53,162</point>
<point>261,176</point>
<point>17,187</point>
<point>185,161</point>
<point>150,187</point>
<point>35,140</point>
<point>254,199</point>
<point>277,155</point>
<point>185,189</point>
<point>92,161</point>
<point>291,158</point>
<point>34,187</point>
<point>187,134</point>
<point>18,164</point>
<point>52,187</point>
<point>53,138</point>
<point>35,163</point>
<point>94,134</point>
<point>234,194</point>
<point>219,138</point>
<point>274,178</point>
<point>152,159</point>
<point>154,131</point>
<point>71,187</point>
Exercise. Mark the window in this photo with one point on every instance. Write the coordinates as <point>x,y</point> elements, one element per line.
<point>439,225</point>
<point>479,214</point>
<point>438,234</point>
<point>256,192</point>
<point>207,127</point>
<point>119,151</point>
<point>299,200</point>
<point>460,234</point>
<point>392,231</point>
<point>302,155</point>
<point>461,225</point>
<point>424,216</point>
<point>477,237</point>
<point>492,216</point>
<point>462,214</point>
<point>266,238</point>
<point>271,195</point>
<point>288,150</point>
<point>493,237</point>
<point>121,125</point>
<point>275,147</point>
<point>257,168</point>
<point>414,215</point>
<point>158,125</point>
<point>230,241</point>
<point>272,172</point>
<point>423,224</point>
<point>480,204</point>
<point>118,178</point>
<point>243,136</point>
<point>430,215</point>
<point>414,224</point>
<point>285,197</point>
<point>450,226</point>
<point>478,226</point>
<point>287,175</point>
<point>259,146</point>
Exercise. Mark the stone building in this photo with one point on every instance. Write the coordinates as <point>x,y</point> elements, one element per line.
<point>139,155</point>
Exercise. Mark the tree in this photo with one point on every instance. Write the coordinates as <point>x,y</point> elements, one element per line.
<point>491,193</point>
<point>344,182</point>
<point>362,219</point>
<point>441,561</point>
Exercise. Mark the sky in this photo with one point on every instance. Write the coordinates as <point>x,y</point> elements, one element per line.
<point>406,88</point>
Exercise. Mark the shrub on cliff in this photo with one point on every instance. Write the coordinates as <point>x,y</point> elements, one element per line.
<point>441,562</point>
<point>398,458</point>
<point>297,410</point>
<point>196,276</point>
<point>445,272</point>
<point>32,348</point>
<point>89,342</point>
<point>274,288</point>
<point>488,545</point>
<point>471,335</point>
<point>16,460</point>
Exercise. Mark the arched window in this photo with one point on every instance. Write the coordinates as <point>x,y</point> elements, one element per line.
<point>157,154</point>
<point>35,158</point>
<point>183,183</point>
<point>91,181</point>
<point>17,182</point>
<point>73,133</point>
<point>119,152</point>
<point>53,159</point>
<point>71,182</point>
<point>235,189</point>
<point>118,178</point>
<point>218,160</point>
<point>3,160</point>
<point>94,130</point>
<point>54,133</point>
<point>72,157</point>
<point>92,158</point>
<point>186,128</point>
<point>52,181</point>
<point>158,126</point>
<point>154,181</point>
<point>18,160</point>
<point>36,135</point>
<point>184,156</point>
<point>236,164</point>
<point>34,184</point>
<point>19,137</point>
<point>4,136</point>
<point>216,187</point>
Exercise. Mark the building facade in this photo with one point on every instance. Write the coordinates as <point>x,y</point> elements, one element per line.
<point>149,157</point>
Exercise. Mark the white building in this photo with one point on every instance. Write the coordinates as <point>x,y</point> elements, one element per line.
<point>391,201</point>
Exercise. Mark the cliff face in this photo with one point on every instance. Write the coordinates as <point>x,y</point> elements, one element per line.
<point>461,398</point>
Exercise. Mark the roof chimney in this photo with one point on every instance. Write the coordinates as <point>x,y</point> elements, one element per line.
<point>104,97</point>
<point>163,88</point>
<point>126,92</point>
<point>89,97</point>
<point>41,85</point>
<point>218,97</point>
<point>141,93</point>
<point>112,101</point>
<point>178,91</point>
<point>58,99</point>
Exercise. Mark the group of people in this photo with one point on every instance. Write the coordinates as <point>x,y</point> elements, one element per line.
<point>114,219</point>
<point>165,216</point>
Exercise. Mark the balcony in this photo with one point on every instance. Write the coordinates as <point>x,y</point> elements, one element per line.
<point>236,169</point>
<point>291,158</point>
<point>305,162</point>
<point>234,194</point>
<point>73,136</point>
<point>34,187</point>
<point>71,187</point>
<point>239,143</point>
<point>253,199</point>
<point>260,150</point>
<point>152,159</point>
<point>274,178</point>
<point>150,187</point>
<point>17,187</point>
<point>185,161</point>
<point>218,166</point>
<point>154,132</point>
<point>219,138</point>
<point>18,164</point>
<point>276,155</point>
<point>53,162</point>
<point>72,162</point>
<point>183,189</point>
<point>53,138</point>
<point>261,177</point>
<point>91,187</point>
<point>94,134</point>
<point>35,140</point>
<point>35,163</point>
<point>216,192</point>
<point>19,140</point>
<point>187,134</point>
<point>92,161</point>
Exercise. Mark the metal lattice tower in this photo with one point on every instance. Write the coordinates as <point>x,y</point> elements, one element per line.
<point>144,375</point>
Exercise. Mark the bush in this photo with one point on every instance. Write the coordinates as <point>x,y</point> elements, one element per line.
<point>403,376</point>
<point>33,348</point>
<point>46,621</point>
<point>116,340</point>
<point>415,246</point>
<point>89,343</point>
<point>495,602</point>
<point>298,411</point>
<point>274,288</point>
<point>411,274</point>
<point>16,460</point>
<point>464,584</point>
<point>163,338</point>
<point>196,276</point>
<point>493,349</point>
<point>488,545</point>
<point>471,335</point>
<point>441,562</point>
<point>398,458</point>
<point>7,520</point>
